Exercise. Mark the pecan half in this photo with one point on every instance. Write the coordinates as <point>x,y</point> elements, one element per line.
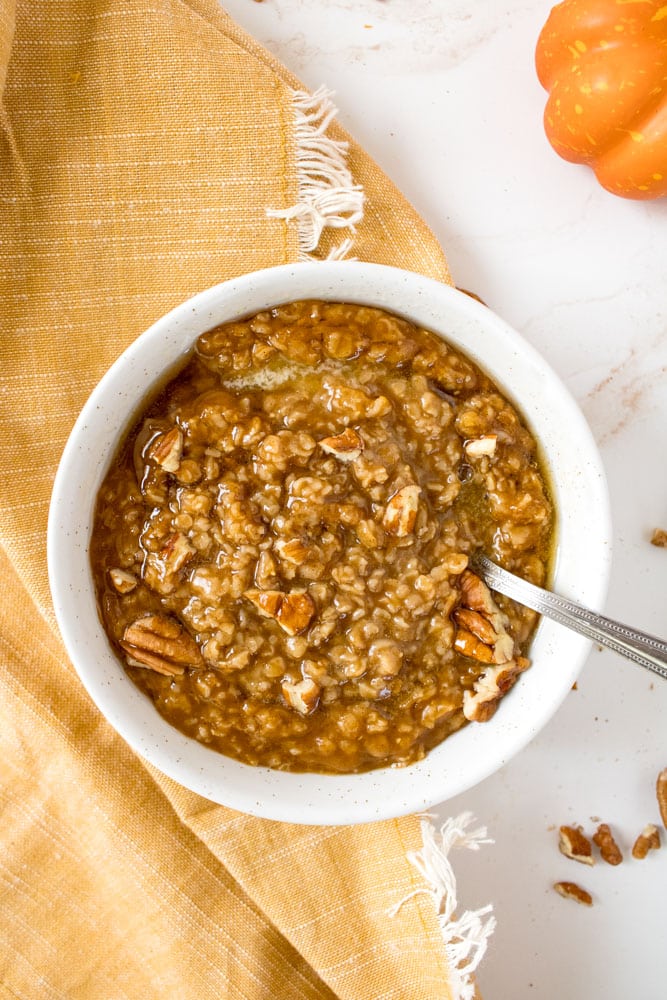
<point>293,612</point>
<point>303,696</point>
<point>166,450</point>
<point>573,844</point>
<point>161,644</point>
<point>609,849</point>
<point>648,840</point>
<point>467,644</point>
<point>401,511</point>
<point>570,890</point>
<point>473,622</point>
<point>661,794</point>
<point>476,595</point>
<point>347,446</point>
<point>478,607</point>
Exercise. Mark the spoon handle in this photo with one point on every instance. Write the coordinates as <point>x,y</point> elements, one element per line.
<point>646,650</point>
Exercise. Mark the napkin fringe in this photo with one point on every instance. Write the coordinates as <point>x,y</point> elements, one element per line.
<point>328,198</point>
<point>465,937</point>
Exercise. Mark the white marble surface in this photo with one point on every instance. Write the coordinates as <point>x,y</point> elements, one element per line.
<point>444,95</point>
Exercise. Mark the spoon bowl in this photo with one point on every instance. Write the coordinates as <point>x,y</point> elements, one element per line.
<point>646,650</point>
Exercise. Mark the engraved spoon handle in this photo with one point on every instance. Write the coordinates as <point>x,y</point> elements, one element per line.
<point>646,650</point>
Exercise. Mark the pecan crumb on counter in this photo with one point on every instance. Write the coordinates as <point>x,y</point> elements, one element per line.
<point>659,538</point>
<point>610,852</point>
<point>573,844</point>
<point>648,840</point>
<point>570,890</point>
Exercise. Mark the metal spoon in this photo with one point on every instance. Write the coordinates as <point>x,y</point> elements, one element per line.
<point>644,649</point>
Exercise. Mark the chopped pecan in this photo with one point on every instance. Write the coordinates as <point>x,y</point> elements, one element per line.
<point>265,570</point>
<point>303,696</point>
<point>347,446</point>
<point>268,602</point>
<point>661,794</point>
<point>648,840</point>
<point>166,450</point>
<point>481,616</point>
<point>292,550</point>
<point>370,534</point>
<point>503,648</point>
<point>160,568</point>
<point>609,849</point>
<point>161,644</point>
<point>570,890</point>
<point>175,552</point>
<point>378,408</point>
<point>573,844</point>
<point>480,704</point>
<point>293,611</point>
<point>476,595</point>
<point>659,538</point>
<point>123,582</point>
<point>485,445</point>
<point>401,511</point>
<point>235,659</point>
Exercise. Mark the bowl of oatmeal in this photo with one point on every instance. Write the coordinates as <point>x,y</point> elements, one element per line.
<point>260,536</point>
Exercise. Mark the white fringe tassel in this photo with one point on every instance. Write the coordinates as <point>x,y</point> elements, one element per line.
<point>466,937</point>
<point>328,197</point>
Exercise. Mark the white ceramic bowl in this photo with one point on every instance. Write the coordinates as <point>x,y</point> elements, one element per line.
<point>581,570</point>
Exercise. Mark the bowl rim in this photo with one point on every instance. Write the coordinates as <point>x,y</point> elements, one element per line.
<point>318,798</point>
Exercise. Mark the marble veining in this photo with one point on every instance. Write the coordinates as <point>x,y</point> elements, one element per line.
<point>407,36</point>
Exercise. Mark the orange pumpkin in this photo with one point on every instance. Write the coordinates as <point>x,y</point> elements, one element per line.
<point>604,63</point>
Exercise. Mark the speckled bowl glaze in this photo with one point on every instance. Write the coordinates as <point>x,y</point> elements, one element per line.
<point>581,568</point>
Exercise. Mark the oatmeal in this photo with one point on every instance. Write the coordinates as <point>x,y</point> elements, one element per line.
<point>281,545</point>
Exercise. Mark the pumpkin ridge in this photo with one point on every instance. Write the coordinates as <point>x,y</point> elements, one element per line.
<point>604,65</point>
<point>637,123</point>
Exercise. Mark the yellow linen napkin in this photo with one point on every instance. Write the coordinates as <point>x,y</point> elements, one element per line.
<point>150,149</point>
